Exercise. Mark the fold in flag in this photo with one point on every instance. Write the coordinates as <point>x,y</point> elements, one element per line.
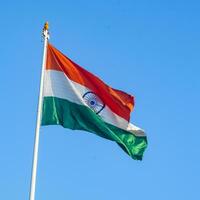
<point>78,100</point>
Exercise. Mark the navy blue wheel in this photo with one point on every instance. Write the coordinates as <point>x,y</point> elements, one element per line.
<point>94,102</point>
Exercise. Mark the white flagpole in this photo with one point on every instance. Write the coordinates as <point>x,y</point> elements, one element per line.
<point>40,102</point>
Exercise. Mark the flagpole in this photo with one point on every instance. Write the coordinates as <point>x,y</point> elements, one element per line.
<point>37,130</point>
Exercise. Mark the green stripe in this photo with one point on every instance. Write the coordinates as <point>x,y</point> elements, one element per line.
<point>58,111</point>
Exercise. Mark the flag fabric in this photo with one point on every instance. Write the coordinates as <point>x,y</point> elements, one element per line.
<point>76,99</point>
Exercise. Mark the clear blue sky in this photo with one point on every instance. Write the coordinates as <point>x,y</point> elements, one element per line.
<point>150,49</point>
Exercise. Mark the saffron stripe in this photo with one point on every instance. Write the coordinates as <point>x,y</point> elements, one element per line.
<point>118,101</point>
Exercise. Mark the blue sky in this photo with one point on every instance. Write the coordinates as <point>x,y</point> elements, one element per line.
<point>150,49</point>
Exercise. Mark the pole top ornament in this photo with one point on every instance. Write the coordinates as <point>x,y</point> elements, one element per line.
<point>46,26</point>
<point>46,30</point>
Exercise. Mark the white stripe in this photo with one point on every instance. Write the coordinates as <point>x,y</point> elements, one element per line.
<point>57,84</point>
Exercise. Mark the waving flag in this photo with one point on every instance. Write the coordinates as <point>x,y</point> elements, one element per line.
<point>77,99</point>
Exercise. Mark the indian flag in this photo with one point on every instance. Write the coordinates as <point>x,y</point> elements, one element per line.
<point>76,99</point>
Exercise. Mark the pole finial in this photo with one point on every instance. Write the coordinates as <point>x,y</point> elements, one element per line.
<point>46,30</point>
<point>46,26</point>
